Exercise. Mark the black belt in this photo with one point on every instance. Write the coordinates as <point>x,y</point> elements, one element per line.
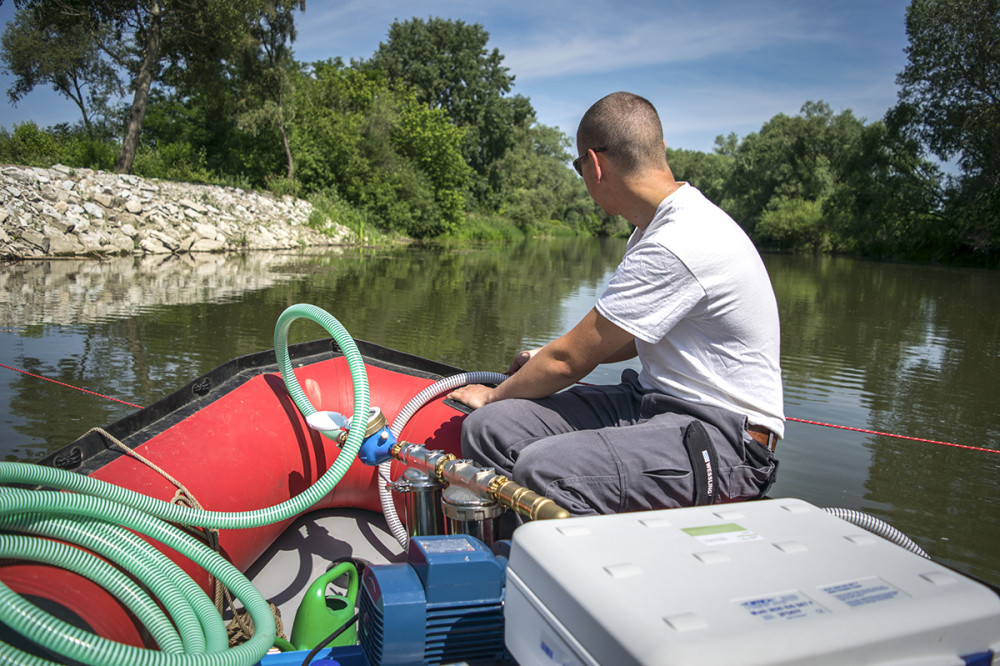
<point>763,436</point>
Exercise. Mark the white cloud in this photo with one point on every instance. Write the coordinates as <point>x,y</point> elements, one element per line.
<point>613,42</point>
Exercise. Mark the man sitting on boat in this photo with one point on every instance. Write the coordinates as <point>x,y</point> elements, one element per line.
<point>692,300</point>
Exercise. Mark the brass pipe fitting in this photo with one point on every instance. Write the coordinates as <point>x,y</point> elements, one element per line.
<point>526,502</point>
<point>439,467</point>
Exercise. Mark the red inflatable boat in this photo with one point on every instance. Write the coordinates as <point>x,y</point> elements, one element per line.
<point>236,442</point>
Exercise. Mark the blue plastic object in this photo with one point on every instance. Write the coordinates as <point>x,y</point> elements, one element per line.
<point>375,448</point>
<point>350,655</point>
<point>445,605</point>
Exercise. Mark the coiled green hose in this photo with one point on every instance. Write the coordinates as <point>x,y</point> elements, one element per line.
<point>91,516</point>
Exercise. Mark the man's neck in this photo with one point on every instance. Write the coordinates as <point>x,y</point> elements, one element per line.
<point>645,196</point>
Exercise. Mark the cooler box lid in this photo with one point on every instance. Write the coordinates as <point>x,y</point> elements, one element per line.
<point>767,582</point>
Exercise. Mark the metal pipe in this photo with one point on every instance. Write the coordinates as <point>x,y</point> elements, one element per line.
<point>450,470</point>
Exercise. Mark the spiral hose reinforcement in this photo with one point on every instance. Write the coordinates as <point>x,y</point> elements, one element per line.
<point>98,516</point>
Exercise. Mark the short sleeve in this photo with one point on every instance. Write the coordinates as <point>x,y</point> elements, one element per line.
<point>650,292</point>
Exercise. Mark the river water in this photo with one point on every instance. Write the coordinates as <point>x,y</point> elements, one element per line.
<point>893,348</point>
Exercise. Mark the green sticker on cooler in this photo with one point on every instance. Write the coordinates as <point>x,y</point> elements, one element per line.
<point>721,533</point>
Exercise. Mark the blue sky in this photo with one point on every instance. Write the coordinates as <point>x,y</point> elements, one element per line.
<point>710,67</point>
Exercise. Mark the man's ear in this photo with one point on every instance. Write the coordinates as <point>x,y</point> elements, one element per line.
<point>598,171</point>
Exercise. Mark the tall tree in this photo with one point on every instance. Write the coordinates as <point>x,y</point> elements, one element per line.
<point>790,158</point>
<point>265,70</point>
<point>378,148</point>
<point>950,94</point>
<point>887,200</point>
<point>153,39</point>
<point>448,65</point>
<point>34,53</point>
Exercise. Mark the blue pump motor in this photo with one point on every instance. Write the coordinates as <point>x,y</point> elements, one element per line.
<point>444,605</point>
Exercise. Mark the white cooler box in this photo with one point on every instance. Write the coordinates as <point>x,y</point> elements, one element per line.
<point>768,582</point>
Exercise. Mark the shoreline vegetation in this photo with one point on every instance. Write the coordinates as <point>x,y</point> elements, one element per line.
<point>446,152</point>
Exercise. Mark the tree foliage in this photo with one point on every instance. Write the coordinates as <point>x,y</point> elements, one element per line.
<point>36,53</point>
<point>825,181</point>
<point>447,64</point>
<point>538,193</point>
<point>950,99</point>
<point>709,172</point>
<point>790,158</point>
<point>425,139</point>
<point>181,41</point>
<point>379,148</point>
<point>265,73</point>
<point>888,198</point>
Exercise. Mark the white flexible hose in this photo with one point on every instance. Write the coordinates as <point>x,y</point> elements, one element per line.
<point>431,392</point>
<point>878,527</point>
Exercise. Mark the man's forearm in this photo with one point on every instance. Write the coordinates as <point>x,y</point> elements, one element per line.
<point>541,376</point>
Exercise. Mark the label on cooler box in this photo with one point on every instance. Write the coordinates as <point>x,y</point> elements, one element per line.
<point>789,605</point>
<point>714,535</point>
<point>862,592</point>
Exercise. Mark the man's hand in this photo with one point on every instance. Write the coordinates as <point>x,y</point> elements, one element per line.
<point>561,363</point>
<point>473,395</point>
<point>477,395</point>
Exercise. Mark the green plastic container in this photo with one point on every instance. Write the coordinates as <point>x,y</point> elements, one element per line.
<point>320,614</point>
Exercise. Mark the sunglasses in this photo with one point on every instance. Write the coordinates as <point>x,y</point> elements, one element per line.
<point>578,162</point>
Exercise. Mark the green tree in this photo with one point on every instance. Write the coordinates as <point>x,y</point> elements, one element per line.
<point>793,223</point>
<point>35,53</point>
<point>791,158</point>
<point>950,95</point>
<point>709,172</point>
<point>538,192</point>
<point>379,148</point>
<point>154,41</point>
<point>265,70</point>
<point>888,198</point>
<point>447,64</point>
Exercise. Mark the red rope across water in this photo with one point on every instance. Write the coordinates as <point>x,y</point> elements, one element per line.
<point>889,434</point>
<point>99,395</point>
<point>789,418</point>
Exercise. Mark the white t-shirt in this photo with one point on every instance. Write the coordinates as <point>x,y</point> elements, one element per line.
<point>694,292</point>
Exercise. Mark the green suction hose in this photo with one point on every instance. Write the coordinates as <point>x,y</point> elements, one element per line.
<point>82,646</point>
<point>91,519</point>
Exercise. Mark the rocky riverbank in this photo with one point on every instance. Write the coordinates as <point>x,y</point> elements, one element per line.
<point>59,212</point>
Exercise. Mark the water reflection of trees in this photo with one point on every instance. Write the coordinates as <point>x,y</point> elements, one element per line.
<point>139,330</point>
<point>925,346</point>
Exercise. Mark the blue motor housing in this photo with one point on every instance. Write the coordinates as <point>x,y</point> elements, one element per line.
<point>444,605</point>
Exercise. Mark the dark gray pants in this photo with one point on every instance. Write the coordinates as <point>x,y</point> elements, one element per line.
<point>611,449</point>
